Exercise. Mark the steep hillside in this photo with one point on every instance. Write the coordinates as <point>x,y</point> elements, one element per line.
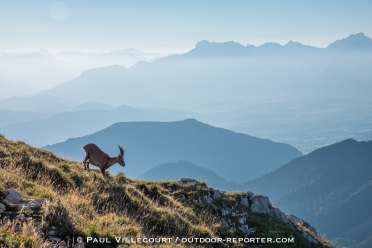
<point>77,204</point>
<point>330,187</point>
<point>238,157</point>
<point>185,169</point>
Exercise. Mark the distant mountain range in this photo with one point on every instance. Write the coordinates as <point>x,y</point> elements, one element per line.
<point>112,85</point>
<point>35,70</point>
<point>42,69</point>
<point>84,119</point>
<point>185,169</point>
<point>237,157</point>
<point>330,187</point>
<point>84,60</point>
<point>9,117</point>
<point>216,72</point>
<point>9,89</point>
<point>220,80</point>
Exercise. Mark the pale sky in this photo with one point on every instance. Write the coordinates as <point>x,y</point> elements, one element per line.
<point>175,26</point>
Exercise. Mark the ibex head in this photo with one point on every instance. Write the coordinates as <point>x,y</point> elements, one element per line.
<point>121,157</point>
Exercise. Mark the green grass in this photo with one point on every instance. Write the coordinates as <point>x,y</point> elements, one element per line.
<point>82,203</point>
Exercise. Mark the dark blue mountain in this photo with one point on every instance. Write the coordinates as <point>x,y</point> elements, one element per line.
<point>235,156</point>
<point>330,187</point>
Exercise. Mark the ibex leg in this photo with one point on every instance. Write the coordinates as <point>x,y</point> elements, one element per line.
<point>86,162</point>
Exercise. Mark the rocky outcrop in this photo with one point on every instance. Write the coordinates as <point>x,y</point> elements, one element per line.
<point>235,215</point>
<point>260,204</point>
<point>13,202</point>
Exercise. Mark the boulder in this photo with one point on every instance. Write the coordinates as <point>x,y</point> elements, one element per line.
<point>188,181</point>
<point>20,217</point>
<point>12,196</point>
<point>260,204</point>
<point>279,214</point>
<point>295,220</point>
<point>244,201</point>
<point>33,204</point>
<point>217,194</point>
<point>55,239</point>
<point>242,220</point>
<point>2,207</point>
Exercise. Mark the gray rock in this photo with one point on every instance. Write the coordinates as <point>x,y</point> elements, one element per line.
<point>208,199</point>
<point>249,193</point>
<point>62,243</point>
<point>309,238</point>
<point>33,204</point>
<point>244,201</point>
<point>242,229</point>
<point>242,220</point>
<point>188,181</point>
<point>295,220</point>
<point>2,207</point>
<point>20,217</point>
<point>51,238</point>
<point>54,228</point>
<point>225,223</point>
<point>217,194</point>
<point>79,245</point>
<point>252,230</point>
<point>52,233</point>
<point>225,212</point>
<point>260,204</point>
<point>12,196</point>
<point>279,214</point>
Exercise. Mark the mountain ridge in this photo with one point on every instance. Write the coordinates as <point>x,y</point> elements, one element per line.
<point>323,185</point>
<point>153,143</point>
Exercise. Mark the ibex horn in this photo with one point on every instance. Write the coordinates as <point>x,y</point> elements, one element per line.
<point>121,150</point>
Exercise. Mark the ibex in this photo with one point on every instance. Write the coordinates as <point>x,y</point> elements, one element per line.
<point>97,157</point>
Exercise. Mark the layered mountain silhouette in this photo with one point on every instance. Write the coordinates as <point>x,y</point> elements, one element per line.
<point>9,89</point>
<point>35,69</point>
<point>9,117</point>
<point>37,103</point>
<point>112,85</point>
<point>331,187</point>
<point>353,42</point>
<point>217,72</point>
<point>238,157</point>
<point>92,117</point>
<point>185,169</point>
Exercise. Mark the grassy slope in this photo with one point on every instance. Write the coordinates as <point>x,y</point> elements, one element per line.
<point>85,204</point>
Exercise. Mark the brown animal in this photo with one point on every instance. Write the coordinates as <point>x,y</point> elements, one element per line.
<point>97,157</point>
